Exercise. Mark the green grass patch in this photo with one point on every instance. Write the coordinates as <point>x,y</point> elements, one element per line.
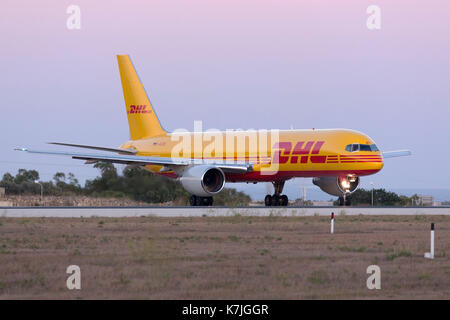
<point>395,255</point>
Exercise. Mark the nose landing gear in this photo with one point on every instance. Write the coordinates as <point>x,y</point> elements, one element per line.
<point>345,200</point>
<point>277,199</point>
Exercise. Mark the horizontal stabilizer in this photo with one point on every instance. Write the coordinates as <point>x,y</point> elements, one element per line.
<point>118,150</point>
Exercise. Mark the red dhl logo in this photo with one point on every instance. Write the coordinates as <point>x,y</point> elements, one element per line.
<point>302,151</point>
<point>139,109</point>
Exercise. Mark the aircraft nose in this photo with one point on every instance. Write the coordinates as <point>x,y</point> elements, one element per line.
<point>380,164</point>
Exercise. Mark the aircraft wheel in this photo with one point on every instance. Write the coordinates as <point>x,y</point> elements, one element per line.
<point>284,200</point>
<point>275,200</point>
<point>193,200</point>
<point>199,201</point>
<point>348,201</point>
<point>268,200</point>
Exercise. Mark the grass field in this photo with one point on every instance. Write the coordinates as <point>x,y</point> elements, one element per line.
<point>224,257</point>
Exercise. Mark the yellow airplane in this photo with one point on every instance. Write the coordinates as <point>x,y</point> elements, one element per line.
<point>204,161</point>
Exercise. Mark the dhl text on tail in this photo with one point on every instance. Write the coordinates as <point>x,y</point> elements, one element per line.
<point>204,161</point>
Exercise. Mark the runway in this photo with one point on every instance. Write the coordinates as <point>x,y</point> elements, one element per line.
<point>117,212</point>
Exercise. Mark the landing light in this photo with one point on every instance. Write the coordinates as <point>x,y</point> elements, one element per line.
<point>345,184</point>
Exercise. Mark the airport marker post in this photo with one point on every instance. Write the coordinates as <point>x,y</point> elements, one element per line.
<point>430,255</point>
<point>332,223</point>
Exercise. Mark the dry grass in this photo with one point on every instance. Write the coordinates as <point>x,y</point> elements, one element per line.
<point>70,201</point>
<point>224,257</point>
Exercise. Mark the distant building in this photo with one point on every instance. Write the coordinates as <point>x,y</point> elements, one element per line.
<point>437,204</point>
<point>2,192</point>
<point>426,201</point>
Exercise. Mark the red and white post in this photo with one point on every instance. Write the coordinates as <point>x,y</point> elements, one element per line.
<point>430,255</point>
<point>332,223</point>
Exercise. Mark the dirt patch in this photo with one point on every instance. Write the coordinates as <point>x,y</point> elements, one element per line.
<point>224,257</point>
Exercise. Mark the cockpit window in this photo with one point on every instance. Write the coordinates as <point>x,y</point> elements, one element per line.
<point>361,147</point>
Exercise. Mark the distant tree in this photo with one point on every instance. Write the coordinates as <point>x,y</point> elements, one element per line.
<point>7,179</point>
<point>72,180</point>
<point>8,183</point>
<point>107,169</point>
<point>108,181</point>
<point>59,177</point>
<point>386,198</point>
<point>381,197</point>
<point>134,183</point>
<point>24,175</point>
<point>145,186</point>
<point>405,201</point>
<point>231,197</point>
<point>415,199</point>
<point>23,182</point>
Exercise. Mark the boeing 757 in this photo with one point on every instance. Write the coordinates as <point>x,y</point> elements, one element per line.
<point>203,162</point>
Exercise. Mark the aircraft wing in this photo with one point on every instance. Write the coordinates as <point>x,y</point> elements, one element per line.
<point>226,166</point>
<point>117,150</point>
<point>397,153</point>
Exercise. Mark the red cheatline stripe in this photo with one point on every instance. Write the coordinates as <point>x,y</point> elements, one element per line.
<point>358,155</point>
<point>362,161</point>
<point>360,158</point>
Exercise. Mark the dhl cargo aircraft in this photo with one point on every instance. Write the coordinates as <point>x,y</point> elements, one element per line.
<point>334,158</point>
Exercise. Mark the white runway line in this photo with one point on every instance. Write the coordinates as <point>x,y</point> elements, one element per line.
<point>211,212</point>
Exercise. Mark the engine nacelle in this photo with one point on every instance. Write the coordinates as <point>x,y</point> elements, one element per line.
<point>203,180</point>
<point>337,186</point>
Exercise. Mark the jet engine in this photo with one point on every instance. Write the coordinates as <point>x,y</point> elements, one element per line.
<point>337,186</point>
<point>203,180</point>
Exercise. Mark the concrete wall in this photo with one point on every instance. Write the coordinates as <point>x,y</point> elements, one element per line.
<point>186,212</point>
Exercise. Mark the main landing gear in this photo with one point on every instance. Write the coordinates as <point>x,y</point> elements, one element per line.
<point>197,201</point>
<point>277,199</point>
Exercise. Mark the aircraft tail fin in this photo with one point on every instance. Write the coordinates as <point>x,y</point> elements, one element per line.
<point>142,119</point>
